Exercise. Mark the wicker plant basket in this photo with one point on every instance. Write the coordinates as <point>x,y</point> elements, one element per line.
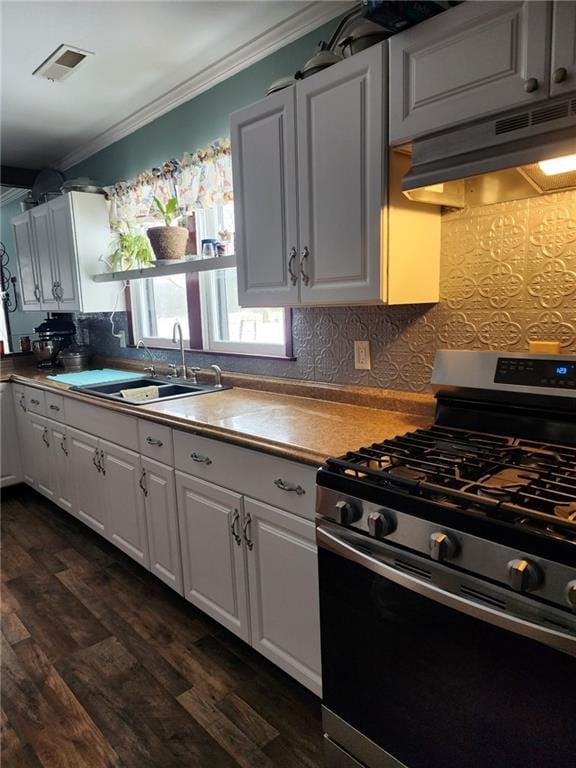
<point>168,242</point>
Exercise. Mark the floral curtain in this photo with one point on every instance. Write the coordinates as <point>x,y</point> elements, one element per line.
<point>201,179</point>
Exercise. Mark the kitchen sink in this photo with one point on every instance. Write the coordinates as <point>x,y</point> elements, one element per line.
<point>168,389</point>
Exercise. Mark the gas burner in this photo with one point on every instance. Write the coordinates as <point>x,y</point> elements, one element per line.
<point>494,492</point>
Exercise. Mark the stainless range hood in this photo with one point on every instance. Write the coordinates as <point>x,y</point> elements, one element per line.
<point>496,159</point>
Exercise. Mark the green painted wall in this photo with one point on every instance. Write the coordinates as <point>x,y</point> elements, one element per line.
<point>186,128</point>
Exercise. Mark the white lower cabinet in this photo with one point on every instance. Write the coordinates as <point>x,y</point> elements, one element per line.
<point>24,435</point>
<point>42,456</point>
<point>123,496</point>
<point>283,584</point>
<point>162,522</point>
<point>213,557</point>
<point>89,502</point>
<point>61,464</point>
<point>10,452</point>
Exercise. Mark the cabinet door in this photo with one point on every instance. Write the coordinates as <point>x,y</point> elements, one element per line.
<point>62,466</point>
<point>29,287</point>
<point>89,503</point>
<point>212,553</point>
<point>283,576</point>
<point>42,234</point>
<point>124,498</point>
<point>341,169</point>
<point>162,522</point>
<point>264,168</point>
<point>42,456</point>
<point>65,276</point>
<point>563,69</point>
<point>9,446</point>
<point>24,435</point>
<point>469,62</point>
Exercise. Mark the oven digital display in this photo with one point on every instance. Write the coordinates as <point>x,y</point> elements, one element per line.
<point>531,372</point>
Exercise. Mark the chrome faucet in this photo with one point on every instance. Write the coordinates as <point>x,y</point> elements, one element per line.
<point>218,375</point>
<point>150,368</point>
<point>177,330</point>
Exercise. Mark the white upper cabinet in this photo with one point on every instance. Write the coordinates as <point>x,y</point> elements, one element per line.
<point>59,246</point>
<point>477,59</point>
<point>563,65</point>
<point>27,263</point>
<point>341,168</point>
<point>338,183</point>
<point>265,207</point>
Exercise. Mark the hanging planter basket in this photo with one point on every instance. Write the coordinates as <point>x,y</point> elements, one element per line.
<point>168,242</point>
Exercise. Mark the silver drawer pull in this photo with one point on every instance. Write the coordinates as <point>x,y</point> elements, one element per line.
<point>153,441</point>
<point>199,459</point>
<point>284,486</point>
<point>35,402</point>
<point>54,407</point>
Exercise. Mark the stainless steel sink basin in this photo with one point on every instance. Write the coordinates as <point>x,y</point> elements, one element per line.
<point>168,389</point>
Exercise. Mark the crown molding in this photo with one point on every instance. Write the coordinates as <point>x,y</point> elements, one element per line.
<point>296,26</point>
<point>11,195</point>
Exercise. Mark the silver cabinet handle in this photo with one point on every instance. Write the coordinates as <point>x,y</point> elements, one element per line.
<point>153,441</point>
<point>35,402</point>
<point>58,290</point>
<point>54,294</point>
<point>284,486</point>
<point>305,254</point>
<point>45,437</point>
<point>245,527</point>
<point>235,527</point>
<point>21,403</point>
<point>96,460</point>
<point>531,85</point>
<point>102,467</point>
<point>291,260</point>
<point>63,445</point>
<point>142,482</point>
<point>560,75</point>
<point>54,407</point>
<point>37,292</point>
<point>199,459</point>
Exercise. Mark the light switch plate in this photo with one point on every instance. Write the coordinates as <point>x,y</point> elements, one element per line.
<point>362,355</point>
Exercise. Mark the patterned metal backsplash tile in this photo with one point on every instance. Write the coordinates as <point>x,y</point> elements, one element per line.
<point>508,276</point>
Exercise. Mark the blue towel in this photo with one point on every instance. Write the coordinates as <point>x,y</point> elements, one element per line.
<point>99,376</point>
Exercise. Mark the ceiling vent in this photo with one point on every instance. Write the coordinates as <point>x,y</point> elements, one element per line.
<point>61,63</point>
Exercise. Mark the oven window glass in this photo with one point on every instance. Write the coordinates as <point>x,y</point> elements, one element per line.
<point>436,688</point>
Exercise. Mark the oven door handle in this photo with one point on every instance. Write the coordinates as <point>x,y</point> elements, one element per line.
<point>560,641</point>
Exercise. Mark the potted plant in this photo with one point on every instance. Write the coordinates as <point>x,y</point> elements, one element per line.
<point>131,250</point>
<point>169,241</point>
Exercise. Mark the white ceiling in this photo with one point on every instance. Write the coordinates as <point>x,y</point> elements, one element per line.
<point>149,56</point>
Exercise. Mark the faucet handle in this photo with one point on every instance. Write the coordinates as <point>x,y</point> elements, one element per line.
<point>150,369</point>
<point>173,368</point>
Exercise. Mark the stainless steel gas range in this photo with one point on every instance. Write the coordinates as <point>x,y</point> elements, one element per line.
<point>447,561</point>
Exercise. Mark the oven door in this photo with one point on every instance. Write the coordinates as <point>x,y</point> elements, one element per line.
<point>425,667</point>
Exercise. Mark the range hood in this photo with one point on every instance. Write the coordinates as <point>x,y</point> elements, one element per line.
<point>496,159</point>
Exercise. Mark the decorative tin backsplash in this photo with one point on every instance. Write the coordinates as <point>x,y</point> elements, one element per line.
<point>508,275</point>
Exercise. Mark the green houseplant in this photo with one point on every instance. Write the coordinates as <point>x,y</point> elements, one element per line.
<point>131,250</point>
<point>168,241</point>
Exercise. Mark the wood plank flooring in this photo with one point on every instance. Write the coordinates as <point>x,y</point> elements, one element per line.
<point>103,665</point>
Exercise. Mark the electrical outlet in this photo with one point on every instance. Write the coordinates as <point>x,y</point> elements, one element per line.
<point>121,336</point>
<point>362,355</point>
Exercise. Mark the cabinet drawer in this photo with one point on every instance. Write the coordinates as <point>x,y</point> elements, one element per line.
<point>55,406</point>
<point>285,484</point>
<point>104,423</point>
<point>35,400</point>
<point>155,441</point>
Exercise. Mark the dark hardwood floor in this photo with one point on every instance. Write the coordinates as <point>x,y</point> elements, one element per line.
<point>103,665</point>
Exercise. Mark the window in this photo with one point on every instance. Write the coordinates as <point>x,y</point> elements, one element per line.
<point>206,305</point>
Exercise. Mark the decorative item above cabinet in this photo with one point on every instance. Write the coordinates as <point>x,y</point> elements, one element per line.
<point>59,245</point>
<point>320,217</point>
<point>478,59</point>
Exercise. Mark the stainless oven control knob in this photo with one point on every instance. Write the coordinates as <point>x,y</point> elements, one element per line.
<point>571,594</point>
<point>346,513</point>
<point>380,524</point>
<point>523,575</point>
<point>442,546</point>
